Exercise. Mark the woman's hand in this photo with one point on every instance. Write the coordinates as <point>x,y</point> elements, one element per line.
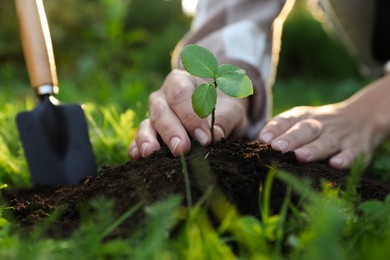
<point>340,132</point>
<point>171,117</point>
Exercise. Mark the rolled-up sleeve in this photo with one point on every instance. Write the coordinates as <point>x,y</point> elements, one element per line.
<point>245,33</point>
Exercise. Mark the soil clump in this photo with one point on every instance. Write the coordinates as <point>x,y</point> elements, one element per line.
<point>232,167</point>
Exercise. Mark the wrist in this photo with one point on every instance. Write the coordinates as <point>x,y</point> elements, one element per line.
<point>372,105</point>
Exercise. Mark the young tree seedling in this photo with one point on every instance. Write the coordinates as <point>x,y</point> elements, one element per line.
<point>230,79</point>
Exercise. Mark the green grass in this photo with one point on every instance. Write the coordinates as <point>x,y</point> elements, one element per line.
<point>304,91</point>
<point>328,225</point>
<point>111,130</point>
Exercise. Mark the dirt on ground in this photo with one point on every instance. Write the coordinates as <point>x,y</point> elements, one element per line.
<point>233,168</point>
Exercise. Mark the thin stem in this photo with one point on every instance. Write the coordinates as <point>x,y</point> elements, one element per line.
<point>213,114</point>
<point>212,125</point>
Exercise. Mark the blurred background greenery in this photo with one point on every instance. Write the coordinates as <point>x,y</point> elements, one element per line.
<point>314,68</point>
<point>119,49</point>
<point>107,51</point>
<point>113,53</point>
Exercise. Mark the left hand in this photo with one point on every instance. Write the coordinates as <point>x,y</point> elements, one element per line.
<point>338,132</point>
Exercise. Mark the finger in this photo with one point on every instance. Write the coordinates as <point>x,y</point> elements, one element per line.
<point>146,142</point>
<point>346,158</point>
<point>323,147</point>
<point>280,124</point>
<point>230,119</point>
<point>298,135</point>
<point>134,152</point>
<point>169,127</point>
<point>178,89</point>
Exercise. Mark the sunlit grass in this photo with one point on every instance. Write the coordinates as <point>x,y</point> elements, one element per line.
<point>300,91</point>
<point>13,168</point>
<point>110,130</point>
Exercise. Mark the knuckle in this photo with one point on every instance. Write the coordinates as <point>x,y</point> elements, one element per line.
<point>296,113</point>
<point>315,150</point>
<point>332,143</point>
<point>156,111</point>
<point>180,93</point>
<point>189,120</point>
<point>275,124</point>
<point>286,119</point>
<point>313,126</point>
<point>153,96</point>
<point>144,124</point>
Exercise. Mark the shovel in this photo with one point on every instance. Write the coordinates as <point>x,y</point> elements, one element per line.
<point>54,137</point>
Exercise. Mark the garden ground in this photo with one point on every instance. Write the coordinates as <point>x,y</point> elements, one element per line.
<point>229,172</point>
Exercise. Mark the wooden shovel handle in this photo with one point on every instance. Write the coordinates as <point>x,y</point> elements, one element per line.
<point>36,42</point>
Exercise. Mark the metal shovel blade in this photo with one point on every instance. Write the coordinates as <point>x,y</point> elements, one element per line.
<point>56,143</point>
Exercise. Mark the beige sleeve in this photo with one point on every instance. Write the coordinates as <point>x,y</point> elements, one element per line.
<point>245,33</point>
<point>354,23</point>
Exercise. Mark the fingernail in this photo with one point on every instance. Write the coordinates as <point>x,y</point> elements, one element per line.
<point>201,136</point>
<point>303,152</point>
<point>133,152</point>
<point>282,146</point>
<point>337,161</point>
<point>144,146</point>
<point>267,137</point>
<point>218,132</point>
<point>175,141</point>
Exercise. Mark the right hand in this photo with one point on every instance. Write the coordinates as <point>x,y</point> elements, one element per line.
<point>171,117</point>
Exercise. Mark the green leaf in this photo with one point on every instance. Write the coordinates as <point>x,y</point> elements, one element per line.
<point>226,68</point>
<point>235,84</point>
<point>199,61</point>
<point>204,99</point>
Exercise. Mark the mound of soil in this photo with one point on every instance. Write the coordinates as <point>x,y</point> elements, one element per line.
<point>234,168</point>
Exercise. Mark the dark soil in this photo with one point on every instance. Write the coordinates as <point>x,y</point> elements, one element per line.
<point>235,168</point>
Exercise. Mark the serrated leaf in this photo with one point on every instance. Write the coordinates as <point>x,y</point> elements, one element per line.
<point>227,68</point>
<point>199,61</point>
<point>235,84</point>
<point>204,99</point>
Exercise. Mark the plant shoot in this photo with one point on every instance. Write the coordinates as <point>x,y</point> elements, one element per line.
<point>230,79</point>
